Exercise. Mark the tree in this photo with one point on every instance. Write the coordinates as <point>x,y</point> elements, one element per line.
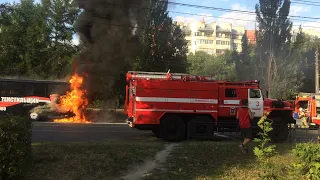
<point>243,61</point>
<point>273,45</point>
<point>202,63</point>
<point>163,43</point>
<point>35,39</point>
<point>60,15</point>
<point>22,39</point>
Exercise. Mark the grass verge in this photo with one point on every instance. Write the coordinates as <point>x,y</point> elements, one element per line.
<point>88,160</point>
<point>221,160</point>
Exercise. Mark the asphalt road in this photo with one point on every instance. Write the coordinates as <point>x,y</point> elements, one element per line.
<point>61,132</point>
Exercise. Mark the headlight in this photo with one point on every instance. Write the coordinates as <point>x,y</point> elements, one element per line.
<point>34,116</point>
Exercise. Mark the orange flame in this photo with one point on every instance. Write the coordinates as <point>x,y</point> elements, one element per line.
<point>74,101</point>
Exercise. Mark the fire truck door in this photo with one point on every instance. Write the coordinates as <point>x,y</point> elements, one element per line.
<point>255,102</point>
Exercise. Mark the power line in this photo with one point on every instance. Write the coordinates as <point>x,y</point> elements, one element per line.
<point>194,14</point>
<point>306,4</point>
<point>237,19</point>
<point>234,10</point>
<point>308,1</point>
<point>139,7</point>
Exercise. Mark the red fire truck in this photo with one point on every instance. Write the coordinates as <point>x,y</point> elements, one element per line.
<point>311,103</point>
<point>175,105</point>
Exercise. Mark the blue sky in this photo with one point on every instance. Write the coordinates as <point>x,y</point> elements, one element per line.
<point>244,5</point>
<point>237,19</point>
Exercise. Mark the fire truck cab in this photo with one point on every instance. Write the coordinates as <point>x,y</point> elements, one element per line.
<point>172,105</point>
<point>311,103</point>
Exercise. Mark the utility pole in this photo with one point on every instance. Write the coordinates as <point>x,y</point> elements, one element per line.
<point>317,69</point>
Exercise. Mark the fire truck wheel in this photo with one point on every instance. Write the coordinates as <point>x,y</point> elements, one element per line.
<point>156,131</point>
<point>172,128</point>
<point>280,132</point>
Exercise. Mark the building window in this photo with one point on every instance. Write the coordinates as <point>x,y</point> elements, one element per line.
<point>198,34</point>
<point>204,41</point>
<point>223,42</point>
<point>208,34</point>
<point>235,45</point>
<point>230,93</point>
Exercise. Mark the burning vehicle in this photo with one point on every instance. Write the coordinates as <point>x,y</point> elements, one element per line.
<point>69,108</point>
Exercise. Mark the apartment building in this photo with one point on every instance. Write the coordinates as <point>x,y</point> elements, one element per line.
<point>212,38</point>
<point>314,33</point>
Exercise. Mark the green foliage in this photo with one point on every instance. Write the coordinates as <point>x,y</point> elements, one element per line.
<point>222,67</point>
<point>163,45</point>
<point>15,147</point>
<point>275,65</point>
<point>244,62</point>
<point>96,104</point>
<point>263,151</point>
<point>309,159</point>
<point>35,39</point>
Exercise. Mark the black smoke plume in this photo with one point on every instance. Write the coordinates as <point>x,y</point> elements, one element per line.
<point>106,29</point>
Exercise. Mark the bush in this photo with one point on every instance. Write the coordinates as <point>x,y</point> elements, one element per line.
<point>309,159</point>
<point>97,104</point>
<point>262,150</point>
<point>15,147</point>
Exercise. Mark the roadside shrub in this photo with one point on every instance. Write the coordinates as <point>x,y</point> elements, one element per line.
<point>15,147</point>
<point>263,151</point>
<point>96,104</point>
<point>309,159</point>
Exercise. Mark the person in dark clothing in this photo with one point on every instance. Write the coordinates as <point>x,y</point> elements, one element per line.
<point>244,115</point>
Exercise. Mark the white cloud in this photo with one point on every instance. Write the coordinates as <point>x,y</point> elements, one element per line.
<point>75,40</point>
<point>296,10</point>
<point>307,25</point>
<point>239,18</point>
<point>189,18</point>
<point>248,20</point>
<point>235,18</point>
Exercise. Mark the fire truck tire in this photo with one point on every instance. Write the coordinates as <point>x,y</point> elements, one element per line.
<point>172,128</point>
<point>156,131</point>
<point>279,133</point>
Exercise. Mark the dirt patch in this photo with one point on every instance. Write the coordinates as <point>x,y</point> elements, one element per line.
<point>142,170</point>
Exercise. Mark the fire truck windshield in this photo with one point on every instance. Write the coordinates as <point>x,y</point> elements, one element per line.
<point>255,93</point>
<point>303,104</point>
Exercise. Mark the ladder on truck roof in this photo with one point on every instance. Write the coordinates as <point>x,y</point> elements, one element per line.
<point>163,75</point>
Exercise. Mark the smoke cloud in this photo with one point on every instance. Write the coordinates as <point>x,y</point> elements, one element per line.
<point>106,28</point>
